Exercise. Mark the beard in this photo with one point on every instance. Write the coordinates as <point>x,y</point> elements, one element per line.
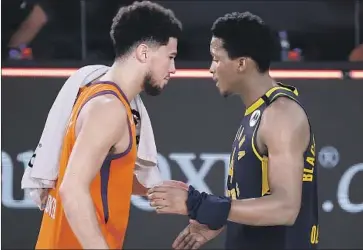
<point>150,87</point>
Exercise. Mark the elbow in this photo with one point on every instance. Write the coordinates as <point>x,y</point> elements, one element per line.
<point>291,218</point>
<point>69,194</point>
<point>290,213</point>
<point>65,193</point>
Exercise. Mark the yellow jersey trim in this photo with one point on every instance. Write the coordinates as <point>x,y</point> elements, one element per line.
<point>254,106</point>
<point>253,144</point>
<point>265,187</point>
<point>260,101</point>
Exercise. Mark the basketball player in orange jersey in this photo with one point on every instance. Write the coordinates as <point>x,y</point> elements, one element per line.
<point>89,207</point>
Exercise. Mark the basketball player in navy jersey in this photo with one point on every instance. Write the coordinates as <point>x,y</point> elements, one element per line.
<point>271,191</point>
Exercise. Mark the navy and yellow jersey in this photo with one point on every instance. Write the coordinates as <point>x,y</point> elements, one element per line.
<point>248,178</point>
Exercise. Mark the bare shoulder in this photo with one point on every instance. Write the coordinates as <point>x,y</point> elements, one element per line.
<point>285,120</point>
<point>99,127</point>
<point>285,110</point>
<point>107,111</point>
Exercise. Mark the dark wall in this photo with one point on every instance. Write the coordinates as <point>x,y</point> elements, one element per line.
<point>311,25</point>
<point>194,128</point>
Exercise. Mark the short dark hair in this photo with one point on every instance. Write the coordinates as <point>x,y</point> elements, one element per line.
<point>143,22</point>
<point>245,34</point>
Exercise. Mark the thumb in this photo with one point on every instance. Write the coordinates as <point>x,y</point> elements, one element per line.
<point>193,221</point>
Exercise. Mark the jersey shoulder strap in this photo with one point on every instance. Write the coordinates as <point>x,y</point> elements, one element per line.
<point>101,88</point>
<point>281,91</point>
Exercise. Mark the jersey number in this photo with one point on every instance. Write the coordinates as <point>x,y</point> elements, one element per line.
<point>314,234</point>
<point>51,206</point>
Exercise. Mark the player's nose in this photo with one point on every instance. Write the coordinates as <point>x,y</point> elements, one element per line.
<point>172,68</point>
<point>212,68</point>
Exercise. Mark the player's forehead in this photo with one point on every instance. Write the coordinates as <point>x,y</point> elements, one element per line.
<point>171,47</point>
<point>216,47</point>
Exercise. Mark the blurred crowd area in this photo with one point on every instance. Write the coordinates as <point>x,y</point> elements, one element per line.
<point>43,30</point>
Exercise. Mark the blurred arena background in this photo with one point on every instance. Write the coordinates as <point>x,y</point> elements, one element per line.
<point>321,53</point>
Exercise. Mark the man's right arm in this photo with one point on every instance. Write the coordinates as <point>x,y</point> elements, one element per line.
<point>102,123</point>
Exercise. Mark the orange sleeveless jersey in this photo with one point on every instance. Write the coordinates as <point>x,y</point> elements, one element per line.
<point>110,190</point>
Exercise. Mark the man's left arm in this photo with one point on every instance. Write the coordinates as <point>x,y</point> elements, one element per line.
<point>285,131</point>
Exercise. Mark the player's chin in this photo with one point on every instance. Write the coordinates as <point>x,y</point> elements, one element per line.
<point>161,87</point>
<point>161,84</point>
<point>164,83</point>
<point>224,92</point>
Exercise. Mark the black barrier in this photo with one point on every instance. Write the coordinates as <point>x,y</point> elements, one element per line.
<point>194,128</point>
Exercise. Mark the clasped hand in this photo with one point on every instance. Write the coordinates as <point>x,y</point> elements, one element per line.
<point>170,198</point>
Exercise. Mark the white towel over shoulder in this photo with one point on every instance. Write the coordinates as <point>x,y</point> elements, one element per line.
<point>146,170</point>
<point>42,171</point>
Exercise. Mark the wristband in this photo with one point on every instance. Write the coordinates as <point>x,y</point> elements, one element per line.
<point>208,209</point>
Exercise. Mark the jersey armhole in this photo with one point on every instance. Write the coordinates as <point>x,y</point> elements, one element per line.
<point>255,148</point>
<point>127,150</point>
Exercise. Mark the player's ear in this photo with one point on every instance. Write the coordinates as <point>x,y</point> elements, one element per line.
<point>142,52</point>
<point>241,64</point>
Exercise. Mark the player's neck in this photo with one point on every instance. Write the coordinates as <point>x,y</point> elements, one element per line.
<point>126,77</point>
<point>255,87</point>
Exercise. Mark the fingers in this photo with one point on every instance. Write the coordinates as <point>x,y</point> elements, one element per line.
<point>167,185</point>
<point>189,241</point>
<point>178,184</point>
<point>166,188</point>
<point>159,203</point>
<point>162,206</point>
<point>161,192</point>
<point>155,196</point>
<point>168,199</point>
<point>158,189</point>
<point>196,245</point>
<point>166,210</point>
<point>179,242</point>
<point>172,183</point>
